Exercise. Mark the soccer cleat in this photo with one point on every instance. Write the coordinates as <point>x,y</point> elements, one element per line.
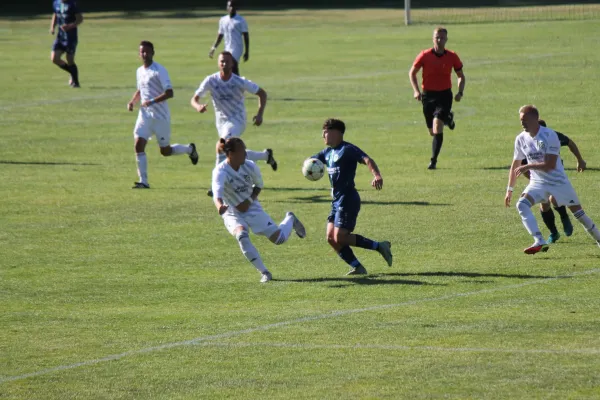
<point>432,164</point>
<point>567,226</point>
<point>271,160</point>
<point>385,249</point>
<point>194,154</point>
<point>450,121</point>
<point>536,248</point>
<point>140,185</point>
<point>298,226</point>
<point>266,277</point>
<point>553,237</point>
<point>209,193</point>
<point>359,270</point>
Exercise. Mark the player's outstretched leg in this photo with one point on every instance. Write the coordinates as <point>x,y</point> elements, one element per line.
<point>298,226</point>
<point>266,155</point>
<point>530,223</point>
<point>588,224</point>
<point>383,248</point>
<point>251,254</point>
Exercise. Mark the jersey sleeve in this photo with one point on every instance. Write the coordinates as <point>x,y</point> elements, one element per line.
<point>203,88</point>
<point>221,27</point>
<point>563,139</point>
<point>519,155</point>
<point>321,156</point>
<point>357,154</point>
<point>553,145</point>
<point>250,86</point>
<point>244,26</point>
<point>419,60</point>
<point>458,65</point>
<point>257,176</point>
<point>165,81</point>
<point>218,183</point>
<point>137,79</point>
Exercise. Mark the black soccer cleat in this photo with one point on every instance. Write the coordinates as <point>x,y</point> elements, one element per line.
<point>271,160</point>
<point>194,154</point>
<point>432,164</point>
<point>140,185</point>
<point>450,121</point>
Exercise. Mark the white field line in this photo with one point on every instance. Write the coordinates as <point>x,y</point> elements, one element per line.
<point>261,328</point>
<point>360,346</point>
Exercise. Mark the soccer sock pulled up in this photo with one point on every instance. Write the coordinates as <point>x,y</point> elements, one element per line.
<point>562,211</point>
<point>529,221</point>
<point>348,256</point>
<point>257,155</point>
<point>436,146</point>
<point>285,229</point>
<point>588,224</point>
<point>74,73</point>
<point>366,243</point>
<point>64,67</point>
<point>181,149</point>
<point>549,220</point>
<point>142,167</point>
<point>249,251</point>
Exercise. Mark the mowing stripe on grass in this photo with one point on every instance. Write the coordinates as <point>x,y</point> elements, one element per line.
<point>333,314</point>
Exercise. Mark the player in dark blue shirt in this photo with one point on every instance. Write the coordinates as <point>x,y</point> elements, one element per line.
<point>67,16</point>
<point>341,159</point>
<point>546,210</point>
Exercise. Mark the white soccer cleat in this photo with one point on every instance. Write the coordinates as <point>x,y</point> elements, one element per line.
<point>298,226</point>
<point>266,277</point>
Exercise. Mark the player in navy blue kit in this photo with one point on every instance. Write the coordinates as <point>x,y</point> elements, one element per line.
<point>341,159</point>
<point>67,16</point>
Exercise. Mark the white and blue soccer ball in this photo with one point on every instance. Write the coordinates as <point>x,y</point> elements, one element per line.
<point>313,169</point>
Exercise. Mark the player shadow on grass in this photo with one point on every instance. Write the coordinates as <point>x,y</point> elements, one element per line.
<point>473,275</point>
<point>327,199</point>
<point>507,167</point>
<point>43,163</point>
<point>361,280</point>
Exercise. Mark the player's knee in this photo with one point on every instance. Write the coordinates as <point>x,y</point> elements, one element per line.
<point>277,238</point>
<point>523,205</point>
<point>166,151</point>
<point>331,240</point>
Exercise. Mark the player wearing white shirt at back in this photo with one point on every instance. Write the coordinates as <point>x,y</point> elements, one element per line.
<point>153,90</point>
<point>233,27</point>
<point>228,95</point>
<point>236,184</point>
<point>541,147</point>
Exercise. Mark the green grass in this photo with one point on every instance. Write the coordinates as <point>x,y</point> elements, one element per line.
<point>91,269</point>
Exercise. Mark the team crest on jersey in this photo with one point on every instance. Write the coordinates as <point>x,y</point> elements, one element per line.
<point>247,178</point>
<point>540,145</point>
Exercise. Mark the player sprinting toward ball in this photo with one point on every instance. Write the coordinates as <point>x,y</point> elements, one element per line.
<point>236,184</point>
<point>341,158</point>
<point>541,147</point>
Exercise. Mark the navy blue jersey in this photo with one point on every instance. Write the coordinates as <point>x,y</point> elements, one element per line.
<point>341,163</point>
<point>65,14</point>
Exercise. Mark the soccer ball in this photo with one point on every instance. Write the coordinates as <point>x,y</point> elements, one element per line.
<point>313,169</point>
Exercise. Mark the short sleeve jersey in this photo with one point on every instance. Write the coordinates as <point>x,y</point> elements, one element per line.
<point>228,96</point>
<point>437,69</point>
<point>534,149</point>
<point>65,14</point>
<point>341,162</point>
<point>232,29</point>
<point>235,186</point>
<point>152,82</point>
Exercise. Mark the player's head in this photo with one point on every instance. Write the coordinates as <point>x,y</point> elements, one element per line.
<point>333,131</point>
<point>146,51</point>
<point>234,149</point>
<point>440,37</point>
<point>225,62</point>
<point>232,7</point>
<point>542,122</point>
<point>529,116</point>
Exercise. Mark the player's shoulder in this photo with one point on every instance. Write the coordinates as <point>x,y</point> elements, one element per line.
<point>352,146</point>
<point>158,67</point>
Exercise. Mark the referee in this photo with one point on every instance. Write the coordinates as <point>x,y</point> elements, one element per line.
<point>437,64</point>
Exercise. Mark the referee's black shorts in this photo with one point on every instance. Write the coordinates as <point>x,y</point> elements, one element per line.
<point>436,105</point>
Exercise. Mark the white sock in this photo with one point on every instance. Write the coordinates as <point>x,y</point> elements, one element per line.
<point>588,224</point>
<point>220,158</point>
<point>250,252</point>
<point>285,229</point>
<point>524,208</point>
<point>257,155</point>
<point>142,164</point>
<point>181,149</point>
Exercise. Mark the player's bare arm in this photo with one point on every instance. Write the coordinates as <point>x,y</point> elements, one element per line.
<point>244,205</point>
<point>581,164</point>
<point>221,207</point>
<point>262,103</point>
<point>211,53</point>
<point>195,102</point>
<point>134,100</point>
<point>246,45</point>
<point>412,74</point>
<point>462,80</point>
<point>548,164</point>
<point>165,96</point>
<point>52,24</point>
<point>512,178</point>
<point>377,182</point>
<point>78,21</point>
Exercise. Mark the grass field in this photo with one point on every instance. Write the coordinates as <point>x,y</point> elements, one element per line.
<point>111,293</point>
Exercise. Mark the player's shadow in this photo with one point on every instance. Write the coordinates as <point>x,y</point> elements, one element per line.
<point>472,275</point>
<point>361,280</point>
<point>507,167</point>
<point>289,189</point>
<point>43,163</point>
<point>317,100</point>
<point>327,199</point>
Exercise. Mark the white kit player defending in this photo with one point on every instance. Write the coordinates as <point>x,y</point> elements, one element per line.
<point>541,147</point>
<point>153,90</point>
<point>236,184</point>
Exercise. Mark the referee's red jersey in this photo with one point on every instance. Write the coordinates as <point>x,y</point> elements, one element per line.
<point>437,70</point>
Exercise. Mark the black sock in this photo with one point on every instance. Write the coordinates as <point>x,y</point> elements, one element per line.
<point>436,146</point>
<point>74,73</point>
<point>366,243</point>
<point>348,256</point>
<point>64,67</point>
<point>548,217</point>
<point>562,211</point>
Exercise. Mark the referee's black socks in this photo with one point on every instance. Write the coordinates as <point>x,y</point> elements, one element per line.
<point>436,146</point>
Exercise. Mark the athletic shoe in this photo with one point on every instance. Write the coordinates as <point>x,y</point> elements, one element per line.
<point>385,249</point>
<point>553,237</point>
<point>209,193</point>
<point>271,160</point>
<point>266,277</point>
<point>194,154</point>
<point>536,248</point>
<point>360,270</point>
<point>298,226</point>
<point>140,185</point>
<point>432,165</point>
<point>450,121</point>
<point>567,226</point>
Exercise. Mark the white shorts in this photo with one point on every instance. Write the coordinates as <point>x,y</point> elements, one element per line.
<point>146,127</point>
<point>255,218</point>
<point>563,194</point>
<point>230,129</point>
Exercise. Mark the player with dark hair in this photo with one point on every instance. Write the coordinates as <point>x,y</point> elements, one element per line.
<point>341,158</point>
<point>233,27</point>
<point>236,184</point>
<point>68,17</point>
<point>437,64</point>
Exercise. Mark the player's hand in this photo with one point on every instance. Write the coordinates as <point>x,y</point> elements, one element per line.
<point>146,103</point>
<point>377,182</point>
<point>258,120</point>
<point>581,165</point>
<point>246,56</point>
<point>66,27</point>
<point>201,108</point>
<point>417,96</point>
<point>458,97</point>
<point>521,170</point>
<point>222,209</point>
<point>130,106</point>
<point>52,31</point>
<point>507,198</point>
<point>211,53</point>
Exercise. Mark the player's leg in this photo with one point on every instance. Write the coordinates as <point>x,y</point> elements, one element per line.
<point>344,222</point>
<point>56,54</point>
<point>284,229</point>
<point>428,110</point>
<point>251,253</point>
<point>565,195</point>
<point>564,218</point>
<point>588,224</point>
<point>530,196</point>
<point>141,134</point>
<point>73,70</point>
<point>162,129</point>
<point>549,221</point>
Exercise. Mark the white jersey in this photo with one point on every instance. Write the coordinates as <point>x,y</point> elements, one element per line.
<point>152,82</point>
<point>534,149</point>
<point>227,97</point>
<point>235,186</point>
<point>232,29</point>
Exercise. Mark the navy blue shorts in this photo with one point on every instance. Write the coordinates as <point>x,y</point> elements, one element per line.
<point>68,47</point>
<point>344,211</point>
